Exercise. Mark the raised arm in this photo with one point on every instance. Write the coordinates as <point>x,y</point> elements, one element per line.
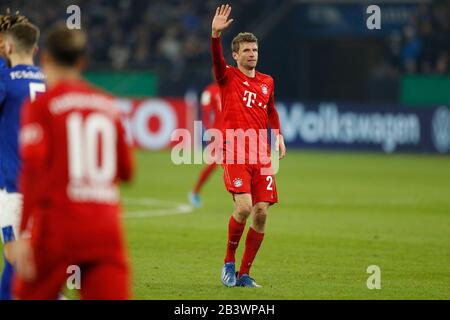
<point>220,22</point>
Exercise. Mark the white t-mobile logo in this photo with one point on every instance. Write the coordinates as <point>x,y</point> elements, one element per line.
<point>250,97</point>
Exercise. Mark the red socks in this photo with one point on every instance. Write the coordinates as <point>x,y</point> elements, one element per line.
<point>204,175</point>
<point>235,230</point>
<point>252,244</point>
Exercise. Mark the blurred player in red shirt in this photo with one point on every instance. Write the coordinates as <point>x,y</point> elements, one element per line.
<point>74,154</point>
<point>247,104</point>
<point>211,117</point>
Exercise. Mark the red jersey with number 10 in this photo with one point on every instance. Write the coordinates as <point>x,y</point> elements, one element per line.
<point>74,154</point>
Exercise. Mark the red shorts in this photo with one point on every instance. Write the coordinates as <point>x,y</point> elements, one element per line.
<point>103,279</point>
<point>96,261</point>
<point>254,179</point>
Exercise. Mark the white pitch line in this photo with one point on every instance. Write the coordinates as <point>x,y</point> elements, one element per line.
<point>166,208</point>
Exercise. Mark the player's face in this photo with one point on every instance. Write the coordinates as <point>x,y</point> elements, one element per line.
<point>247,56</point>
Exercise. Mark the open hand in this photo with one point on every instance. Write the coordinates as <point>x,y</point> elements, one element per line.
<point>220,21</point>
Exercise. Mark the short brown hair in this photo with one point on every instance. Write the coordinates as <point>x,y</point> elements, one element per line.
<point>66,46</point>
<point>8,20</point>
<point>240,38</point>
<point>25,36</point>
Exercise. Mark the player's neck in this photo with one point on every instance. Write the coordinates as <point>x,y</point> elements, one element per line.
<point>21,60</point>
<point>248,72</point>
<point>59,75</point>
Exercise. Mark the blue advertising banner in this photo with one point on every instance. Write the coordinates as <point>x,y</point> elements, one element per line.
<point>360,127</point>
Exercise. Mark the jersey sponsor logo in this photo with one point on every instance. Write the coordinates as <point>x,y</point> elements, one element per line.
<point>264,89</point>
<point>238,182</point>
<point>250,98</point>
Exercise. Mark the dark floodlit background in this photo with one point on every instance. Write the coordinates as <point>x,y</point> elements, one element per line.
<point>320,53</point>
<point>315,49</point>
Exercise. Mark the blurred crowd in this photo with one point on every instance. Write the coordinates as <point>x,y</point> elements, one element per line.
<point>170,37</point>
<point>423,46</point>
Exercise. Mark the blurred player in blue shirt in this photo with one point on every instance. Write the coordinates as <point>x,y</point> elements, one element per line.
<point>18,83</point>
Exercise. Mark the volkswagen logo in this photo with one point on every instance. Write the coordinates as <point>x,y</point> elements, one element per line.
<point>441,129</point>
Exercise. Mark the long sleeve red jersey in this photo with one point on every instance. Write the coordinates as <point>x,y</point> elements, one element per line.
<point>247,103</point>
<point>74,154</point>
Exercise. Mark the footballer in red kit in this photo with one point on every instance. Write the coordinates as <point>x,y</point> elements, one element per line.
<point>247,105</point>
<point>211,117</point>
<point>212,106</point>
<point>74,155</point>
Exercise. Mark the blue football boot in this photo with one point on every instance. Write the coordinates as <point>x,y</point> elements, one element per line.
<point>229,275</point>
<point>194,199</point>
<point>246,281</point>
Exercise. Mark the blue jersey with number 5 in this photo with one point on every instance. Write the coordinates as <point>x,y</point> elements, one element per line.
<point>17,84</point>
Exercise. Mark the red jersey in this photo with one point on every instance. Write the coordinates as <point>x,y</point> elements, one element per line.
<point>247,103</point>
<point>211,106</point>
<point>74,153</point>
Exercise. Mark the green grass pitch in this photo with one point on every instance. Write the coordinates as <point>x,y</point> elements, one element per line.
<point>338,214</point>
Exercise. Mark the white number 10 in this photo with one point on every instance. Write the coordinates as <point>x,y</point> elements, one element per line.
<point>84,140</point>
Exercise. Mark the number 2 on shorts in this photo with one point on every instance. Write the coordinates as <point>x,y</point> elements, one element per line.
<point>270,180</point>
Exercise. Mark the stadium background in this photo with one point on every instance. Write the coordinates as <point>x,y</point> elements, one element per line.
<point>366,118</point>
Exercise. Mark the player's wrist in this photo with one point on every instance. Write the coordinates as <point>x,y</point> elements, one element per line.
<point>216,34</point>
